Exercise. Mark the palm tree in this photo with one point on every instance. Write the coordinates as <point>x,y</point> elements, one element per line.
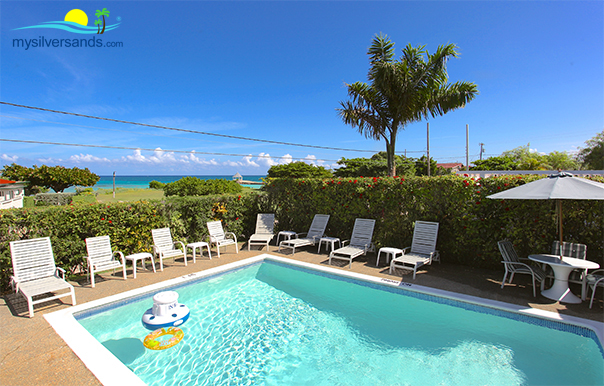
<point>103,13</point>
<point>402,92</point>
<point>98,22</point>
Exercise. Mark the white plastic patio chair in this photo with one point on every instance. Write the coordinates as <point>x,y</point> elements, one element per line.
<point>594,280</point>
<point>35,272</point>
<point>219,237</point>
<point>513,264</point>
<point>265,225</point>
<point>359,243</point>
<point>165,248</point>
<point>314,234</point>
<point>102,258</point>
<point>422,250</point>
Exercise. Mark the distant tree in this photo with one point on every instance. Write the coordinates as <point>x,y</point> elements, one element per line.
<point>561,160</point>
<point>495,163</point>
<point>376,166</point>
<point>421,167</point>
<point>156,185</point>
<point>526,159</point>
<point>592,155</point>
<point>298,170</point>
<point>402,92</point>
<point>57,178</point>
<point>15,172</point>
<point>193,186</point>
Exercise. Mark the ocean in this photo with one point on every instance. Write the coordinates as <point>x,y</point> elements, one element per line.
<point>142,182</point>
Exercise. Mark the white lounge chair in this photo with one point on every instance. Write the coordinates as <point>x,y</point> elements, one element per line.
<point>314,234</point>
<point>219,237</point>
<point>165,248</point>
<point>422,250</point>
<point>35,272</point>
<point>265,225</point>
<point>102,258</point>
<point>513,264</point>
<point>359,243</point>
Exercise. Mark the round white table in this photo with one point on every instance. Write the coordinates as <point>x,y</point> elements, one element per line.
<point>562,268</point>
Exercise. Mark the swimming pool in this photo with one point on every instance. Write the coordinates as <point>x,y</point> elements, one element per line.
<point>276,323</point>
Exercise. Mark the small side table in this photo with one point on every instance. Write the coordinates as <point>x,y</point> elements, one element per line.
<point>140,256</point>
<point>200,245</point>
<point>287,235</point>
<point>329,240</point>
<point>390,254</point>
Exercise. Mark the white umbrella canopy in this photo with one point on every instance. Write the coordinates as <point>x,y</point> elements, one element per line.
<point>561,186</point>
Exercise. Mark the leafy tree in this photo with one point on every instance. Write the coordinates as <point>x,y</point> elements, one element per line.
<point>421,167</point>
<point>527,160</point>
<point>495,163</point>
<point>193,186</point>
<point>57,178</point>
<point>592,155</point>
<point>561,160</point>
<point>376,166</point>
<point>297,170</point>
<point>156,185</point>
<point>402,92</point>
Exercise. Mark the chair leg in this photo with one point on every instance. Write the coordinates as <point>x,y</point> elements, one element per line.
<point>505,275</point>
<point>91,276</point>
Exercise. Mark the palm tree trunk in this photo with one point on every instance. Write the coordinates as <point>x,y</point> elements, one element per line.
<point>103,31</point>
<point>390,157</point>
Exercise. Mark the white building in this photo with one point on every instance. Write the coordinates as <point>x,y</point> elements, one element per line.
<point>11,194</point>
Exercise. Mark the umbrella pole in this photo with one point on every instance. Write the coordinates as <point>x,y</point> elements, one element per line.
<point>560,226</point>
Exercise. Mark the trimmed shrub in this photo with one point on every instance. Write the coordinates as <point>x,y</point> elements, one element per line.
<point>193,186</point>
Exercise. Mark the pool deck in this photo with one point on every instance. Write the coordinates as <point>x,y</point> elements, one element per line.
<point>31,353</point>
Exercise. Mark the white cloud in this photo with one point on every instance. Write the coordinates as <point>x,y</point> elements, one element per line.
<point>78,158</point>
<point>7,158</point>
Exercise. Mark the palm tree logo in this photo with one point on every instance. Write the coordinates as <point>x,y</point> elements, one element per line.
<point>97,22</point>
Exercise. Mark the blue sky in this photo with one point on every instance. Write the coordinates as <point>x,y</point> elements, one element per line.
<point>277,70</point>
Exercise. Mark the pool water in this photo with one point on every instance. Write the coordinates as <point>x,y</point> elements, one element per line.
<point>273,325</point>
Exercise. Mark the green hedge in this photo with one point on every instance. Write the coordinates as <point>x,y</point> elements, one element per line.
<point>470,223</point>
<point>128,224</point>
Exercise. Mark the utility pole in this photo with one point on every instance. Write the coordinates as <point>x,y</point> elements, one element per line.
<point>113,184</point>
<point>428,136</point>
<point>467,147</point>
<point>481,149</point>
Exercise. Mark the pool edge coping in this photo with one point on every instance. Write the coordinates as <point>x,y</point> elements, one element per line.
<point>109,370</point>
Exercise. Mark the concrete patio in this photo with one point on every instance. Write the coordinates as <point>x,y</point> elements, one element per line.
<point>31,353</point>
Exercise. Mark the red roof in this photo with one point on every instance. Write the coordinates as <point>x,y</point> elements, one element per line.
<point>451,165</point>
<point>6,181</point>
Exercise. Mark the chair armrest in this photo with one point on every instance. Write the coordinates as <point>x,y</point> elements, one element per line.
<point>156,250</point>
<point>61,270</point>
<point>405,250</point>
<point>514,263</point>
<point>344,242</point>
<point>182,245</point>
<point>14,283</point>
<point>300,234</point>
<point>232,234</point>
<point>121,256</point>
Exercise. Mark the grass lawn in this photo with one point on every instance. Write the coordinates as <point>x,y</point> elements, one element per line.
<point>125,195</point>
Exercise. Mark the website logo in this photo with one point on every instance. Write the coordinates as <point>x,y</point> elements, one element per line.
<point>76,21</point>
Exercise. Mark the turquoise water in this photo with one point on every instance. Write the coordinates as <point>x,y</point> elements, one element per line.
<point>142,182</point>
<point>273,325</point>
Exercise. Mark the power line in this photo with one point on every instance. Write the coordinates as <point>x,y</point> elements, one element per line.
<point>190,131</point>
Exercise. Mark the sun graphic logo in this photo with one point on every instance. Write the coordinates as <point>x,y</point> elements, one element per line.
<point>76,21</point>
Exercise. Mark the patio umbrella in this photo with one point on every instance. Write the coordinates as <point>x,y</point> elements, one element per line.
<point>561,186</point>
